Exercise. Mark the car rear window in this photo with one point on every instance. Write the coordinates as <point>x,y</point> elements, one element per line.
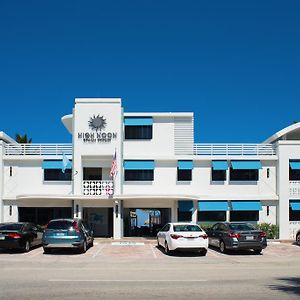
<point>13,227</point>
<point>180,228</point>
<point>61,224</point>
<point>241,227</point>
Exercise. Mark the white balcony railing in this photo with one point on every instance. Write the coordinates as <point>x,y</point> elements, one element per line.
<point>234,149</point>
<point>295,189</point>
<point>98,187</point>
<point>38,149</point>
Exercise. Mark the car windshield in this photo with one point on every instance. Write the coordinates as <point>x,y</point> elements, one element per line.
<point>241,227</point>
<point>60,224</point>
<point>12,227</point>
<point>180,228</point>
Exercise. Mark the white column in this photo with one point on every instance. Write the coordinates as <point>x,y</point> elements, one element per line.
<point>78,209</point>
<point>195,211</point>
<point>118,219</point>
<point>174,214</point>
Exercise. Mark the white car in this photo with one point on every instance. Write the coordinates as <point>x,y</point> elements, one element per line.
<point>182,236</point>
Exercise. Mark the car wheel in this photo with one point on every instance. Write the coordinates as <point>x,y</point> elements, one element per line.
<point>26,246</point>
<point>167,250</point>
<point>222,247</point>
<point>257,251</point>
<point>298,239</point>
<point>84,247</point>
<point>92,243</point>
<point>47,251</point>
<point>203,252</point>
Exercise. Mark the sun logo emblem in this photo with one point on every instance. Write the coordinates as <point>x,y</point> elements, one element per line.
<point>97,123</point>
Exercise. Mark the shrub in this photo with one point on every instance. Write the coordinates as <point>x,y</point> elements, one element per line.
<point>271,230</point>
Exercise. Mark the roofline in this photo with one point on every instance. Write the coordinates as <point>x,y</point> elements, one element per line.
<point>160,114</point>
<point>6,138</point>
<point>276,136</point>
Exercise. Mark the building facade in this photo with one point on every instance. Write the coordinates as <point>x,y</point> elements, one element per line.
<point>160,174</point>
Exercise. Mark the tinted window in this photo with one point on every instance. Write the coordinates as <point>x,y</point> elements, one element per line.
<point>180,228</point>
<point>61,224</point>
<point>139,175</point>
<point>166,228</point>
<point>57,175</point>
<point>13,227</point>
<point>184,175</point>
<point>251,215</point>
<point>218,175</point>
<point>243,175</point>
<point>211,216</point>
<point>241,227</point>
<point>138,132</point>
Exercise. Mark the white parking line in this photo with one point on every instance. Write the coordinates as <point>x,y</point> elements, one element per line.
<point>214,253</point>
<point>127,280</point>
<point>99,250</point>
<point>152,249</point>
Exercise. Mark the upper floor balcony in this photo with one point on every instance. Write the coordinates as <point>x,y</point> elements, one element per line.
<point>234,149</point>
<point>198,149</point>
<point>38,149</point>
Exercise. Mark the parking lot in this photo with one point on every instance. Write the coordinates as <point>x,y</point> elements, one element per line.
<point>106,249</point>
<point>140,270</point>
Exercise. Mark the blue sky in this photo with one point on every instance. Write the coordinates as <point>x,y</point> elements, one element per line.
<point>235,64</point>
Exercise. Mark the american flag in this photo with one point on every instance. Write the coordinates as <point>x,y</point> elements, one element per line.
<point>113,169</point>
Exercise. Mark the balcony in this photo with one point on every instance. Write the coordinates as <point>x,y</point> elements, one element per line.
<point>295,189</point>
<point>98,187</point>
<point>38,149</point>
<point>234,149</point>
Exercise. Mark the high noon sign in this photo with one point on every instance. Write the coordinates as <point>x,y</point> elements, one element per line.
<point>97,124</point>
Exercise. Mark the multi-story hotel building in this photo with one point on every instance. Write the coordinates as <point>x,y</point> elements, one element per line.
<point>159,170</point>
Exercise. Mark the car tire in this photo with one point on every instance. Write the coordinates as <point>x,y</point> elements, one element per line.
<point>298,239</point>
<point>84,247</point>
<point>203,252</point>
<point>167,250</point>
<point>92,243</point>
<point>257,251</point>
<point>26,246</point>
<point>47,251</point>
<point>222,247</point>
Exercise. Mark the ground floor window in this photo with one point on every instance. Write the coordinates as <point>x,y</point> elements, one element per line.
<point>42,215</point>
<point>211,216</point>
<point>249,215</point>
<point>294,213</point>
<point>184,216</point>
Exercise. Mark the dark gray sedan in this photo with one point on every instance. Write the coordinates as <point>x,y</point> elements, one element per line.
<point>237,236</point>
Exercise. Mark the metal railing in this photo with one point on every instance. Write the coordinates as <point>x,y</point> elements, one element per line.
<point>38,149</point>
<point>97,187</point>
<point>295,188</point>
<point>234,149</point>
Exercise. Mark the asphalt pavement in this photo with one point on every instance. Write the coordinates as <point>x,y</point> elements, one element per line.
<point>142,271</point>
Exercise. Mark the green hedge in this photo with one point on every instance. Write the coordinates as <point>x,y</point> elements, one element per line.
<point>271,230</point>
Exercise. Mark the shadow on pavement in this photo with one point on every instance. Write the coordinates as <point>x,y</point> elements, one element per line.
<point>185,253</point>
<point>289,285</point>
<point>237,252</point>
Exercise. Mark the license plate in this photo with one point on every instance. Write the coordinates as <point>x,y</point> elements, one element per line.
<point>60,233</point>
<point>249,237</point>
<point>2,238</point>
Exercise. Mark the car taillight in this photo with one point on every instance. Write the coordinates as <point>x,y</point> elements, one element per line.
<point>204,236</point>
<point>175,236</point>
<point>76,227</point>
<point>14,235</point>
<point>262,234</point>
<point>234,235</point>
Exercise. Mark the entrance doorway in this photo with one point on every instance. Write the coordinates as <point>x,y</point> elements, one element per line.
<point>100,219</point>
<point>145,221</point>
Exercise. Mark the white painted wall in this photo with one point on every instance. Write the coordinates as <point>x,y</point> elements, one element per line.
<point>165,182</point>
<point>28,178</point>
<point>286,150</point>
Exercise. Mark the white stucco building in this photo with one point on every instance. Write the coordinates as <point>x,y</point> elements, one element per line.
<point>160,171</point>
